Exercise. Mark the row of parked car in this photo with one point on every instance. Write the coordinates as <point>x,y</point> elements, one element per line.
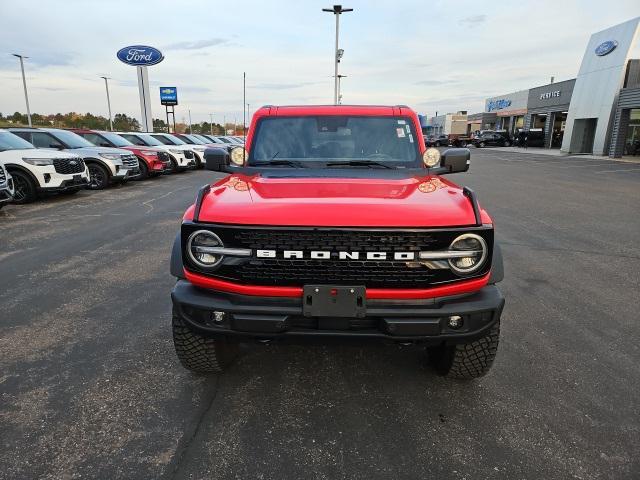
<point>35,161</point>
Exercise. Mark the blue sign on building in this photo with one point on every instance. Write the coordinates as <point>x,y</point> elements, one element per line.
<point>605,48</point>
<point>140,55</point>
<point>168,95</point>
<point>498,104</point>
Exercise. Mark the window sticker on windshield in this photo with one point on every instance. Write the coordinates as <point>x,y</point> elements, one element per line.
<point>411,138</point>
<point>408,129</point>
<point>400,132</point>
<point>402,122</point>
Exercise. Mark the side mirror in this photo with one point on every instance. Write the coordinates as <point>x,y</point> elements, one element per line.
<point>216,159</point>
<point>456,160</point>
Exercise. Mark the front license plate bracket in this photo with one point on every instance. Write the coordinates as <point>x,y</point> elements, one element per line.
<point>334,301</point>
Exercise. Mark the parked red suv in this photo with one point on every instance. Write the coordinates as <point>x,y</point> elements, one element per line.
<point>335,224</point>
<point>152,161</point>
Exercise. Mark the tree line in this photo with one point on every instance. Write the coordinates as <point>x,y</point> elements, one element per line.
<point>121,122</point>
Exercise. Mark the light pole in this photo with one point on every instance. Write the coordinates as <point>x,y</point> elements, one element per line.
<point>24,84</point>
<point>337,10</point>
<point>211,124</point>
<point>106,85</point>
<point>190,128</point>
<point>340,77</point>
<point>249,114</point>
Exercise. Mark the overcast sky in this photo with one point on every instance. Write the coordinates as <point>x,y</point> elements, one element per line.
<point>431,55</point>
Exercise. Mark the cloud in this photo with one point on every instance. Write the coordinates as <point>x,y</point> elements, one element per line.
<point>473,20</point>
<point>196,45</point>
<point>433,83</point>
<point>282,86</point>
<point>37,59</point>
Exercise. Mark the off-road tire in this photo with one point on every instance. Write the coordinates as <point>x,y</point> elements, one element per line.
<point>469,360</point>
<point>200,353</point>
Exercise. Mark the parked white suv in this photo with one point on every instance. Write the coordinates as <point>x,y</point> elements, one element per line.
<point>36,171</point>
<point>181,158</point>
<point>106,165</point>
<point>6,186</point>
<point>171,140</point>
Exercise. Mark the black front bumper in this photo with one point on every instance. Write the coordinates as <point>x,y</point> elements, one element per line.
<point>281,318</point>
<point>66,185</point>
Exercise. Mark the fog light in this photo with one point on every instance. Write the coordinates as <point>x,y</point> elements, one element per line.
<point>455,322</point>
<point>47,178</point>
<point>218,317</point>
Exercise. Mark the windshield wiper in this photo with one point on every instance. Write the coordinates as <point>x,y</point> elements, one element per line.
<point>276,163</point>
<point>358,163</point>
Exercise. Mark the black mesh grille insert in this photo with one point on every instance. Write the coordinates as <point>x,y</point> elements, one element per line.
<point>67,166</point>
<point>333,271</point>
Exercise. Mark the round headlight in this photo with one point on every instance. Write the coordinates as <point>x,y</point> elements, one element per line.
<point>431,157</point>
<point>469,252</point>
<point>201,247</point>
<point>238,156</point>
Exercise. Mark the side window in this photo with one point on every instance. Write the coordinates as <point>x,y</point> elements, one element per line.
<point>44,140</point>
<point>95,139</point>
<point>163,139</point>
<point>133,139</point>
<point>25,136</point>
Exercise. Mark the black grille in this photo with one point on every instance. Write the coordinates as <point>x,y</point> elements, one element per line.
<point>68,166</point>
<point>130,161</point>
<point>163,156</point>
<point>188,154</point>
<point>3,177</point>
<point>333,271</point>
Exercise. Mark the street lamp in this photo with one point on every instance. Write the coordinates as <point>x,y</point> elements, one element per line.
<point>106,85</point>
<point>340,77</point>
<point>24,84</point>
<point>190,127</point>
<point>211,123</point>
<point>337,10</point>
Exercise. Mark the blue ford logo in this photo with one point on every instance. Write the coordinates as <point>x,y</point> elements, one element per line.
<point>140,55</point>
<point>605,48</point>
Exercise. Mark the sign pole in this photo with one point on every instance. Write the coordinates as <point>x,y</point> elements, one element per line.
<point>145,99</point>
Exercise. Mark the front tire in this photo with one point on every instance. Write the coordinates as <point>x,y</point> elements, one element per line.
<point>469,360</point>
<point>98,177</point>
<point>144,170</point>
<point>25,189</point>
<point>200,353</point>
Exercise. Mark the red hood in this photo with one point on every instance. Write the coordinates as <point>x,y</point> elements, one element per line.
<point>340,202</point>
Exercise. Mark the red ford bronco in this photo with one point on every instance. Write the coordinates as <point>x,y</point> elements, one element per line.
<point>335,223</point>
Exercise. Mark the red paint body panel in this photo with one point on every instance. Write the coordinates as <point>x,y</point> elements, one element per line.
<point>464,286</point>
<point>341,202</point>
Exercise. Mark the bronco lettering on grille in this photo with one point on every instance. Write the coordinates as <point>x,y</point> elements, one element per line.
<point>327,255</point>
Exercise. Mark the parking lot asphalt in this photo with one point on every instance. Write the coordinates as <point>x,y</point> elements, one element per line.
<point>90,386</point>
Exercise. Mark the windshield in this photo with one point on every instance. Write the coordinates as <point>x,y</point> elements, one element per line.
<point>116,140</point>
<point>173,140</point>
<point>335,138</point>
<point>9,141</point>
<point>70,139</point>
<point>202,138</point>
<point>194,139</point>
<point>148,139</point>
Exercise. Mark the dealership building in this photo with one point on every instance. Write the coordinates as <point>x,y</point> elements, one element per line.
<point>598,112</point>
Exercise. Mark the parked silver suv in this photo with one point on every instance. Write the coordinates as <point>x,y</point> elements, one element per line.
<point>106,165</point>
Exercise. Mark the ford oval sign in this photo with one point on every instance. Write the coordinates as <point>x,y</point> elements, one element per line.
<point>140,55</point>
<point>605,48</point>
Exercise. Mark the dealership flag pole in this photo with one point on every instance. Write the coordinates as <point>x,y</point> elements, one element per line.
<point>106,84</point>
<point>24,84</point>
